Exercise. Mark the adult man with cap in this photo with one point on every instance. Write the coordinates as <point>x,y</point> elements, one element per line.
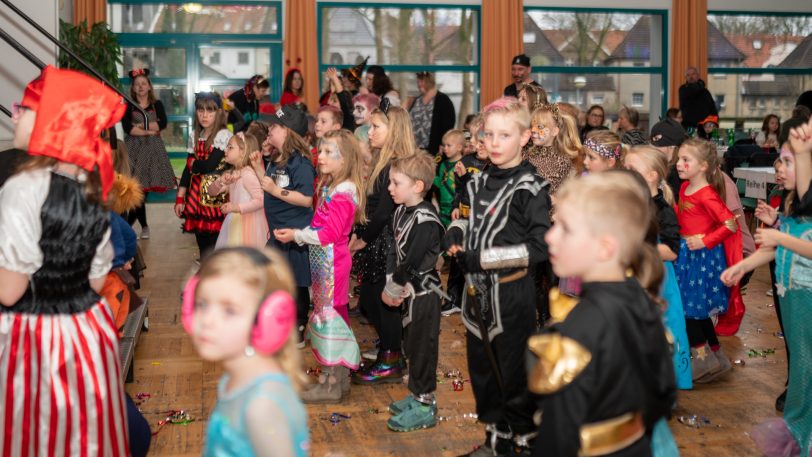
<point>520,70</point>
<point>666,136</point>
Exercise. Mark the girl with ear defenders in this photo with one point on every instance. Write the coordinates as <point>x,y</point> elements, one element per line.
<point>240,312</point>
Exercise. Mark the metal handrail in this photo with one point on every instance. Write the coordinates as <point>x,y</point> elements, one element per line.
<point>17,46</point>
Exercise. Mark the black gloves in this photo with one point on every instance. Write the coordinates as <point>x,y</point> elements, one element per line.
<point>469,261</point>
<point>453,236</point>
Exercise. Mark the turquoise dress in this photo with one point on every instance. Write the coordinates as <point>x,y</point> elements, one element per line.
<point>794,277</point>
<point>227,433</point>
<point>674,319</point>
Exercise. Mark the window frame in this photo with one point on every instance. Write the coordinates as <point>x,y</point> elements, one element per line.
<point>400,68</point>
<point>660,70</point>
<point>761,103</point>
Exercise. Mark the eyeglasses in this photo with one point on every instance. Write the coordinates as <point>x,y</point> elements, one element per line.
<point>17,110</point>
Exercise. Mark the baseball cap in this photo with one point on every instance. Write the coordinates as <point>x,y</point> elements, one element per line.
<point>667,132</point>
<point>291,117</point>
<point>521,59</point>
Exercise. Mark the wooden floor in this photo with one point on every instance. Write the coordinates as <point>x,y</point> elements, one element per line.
<point>170,376</point>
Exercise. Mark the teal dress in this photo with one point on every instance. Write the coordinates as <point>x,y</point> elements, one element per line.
<point>227,433</point>
<point>794,277</point>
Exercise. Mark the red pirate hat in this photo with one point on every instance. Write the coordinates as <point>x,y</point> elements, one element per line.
<point>73,111</point>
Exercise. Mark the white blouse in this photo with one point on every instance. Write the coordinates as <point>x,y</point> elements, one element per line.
<point>21,200</point>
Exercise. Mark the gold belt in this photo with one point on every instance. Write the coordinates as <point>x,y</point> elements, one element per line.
<point>612,435</point>
<point>515,276</point>
<point>698,235</point>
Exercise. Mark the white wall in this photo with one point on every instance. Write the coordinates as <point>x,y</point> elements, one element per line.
<point>16,71</point>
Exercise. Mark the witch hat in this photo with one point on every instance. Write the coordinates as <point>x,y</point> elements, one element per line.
<point>354,74</point>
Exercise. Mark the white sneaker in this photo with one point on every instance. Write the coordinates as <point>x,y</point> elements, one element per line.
<point>370,354</point>
<point>145,233</point>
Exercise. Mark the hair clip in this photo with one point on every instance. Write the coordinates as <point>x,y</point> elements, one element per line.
<point>385,105</point>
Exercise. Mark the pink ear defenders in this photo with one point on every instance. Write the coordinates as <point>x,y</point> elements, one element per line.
<point>275,317</point>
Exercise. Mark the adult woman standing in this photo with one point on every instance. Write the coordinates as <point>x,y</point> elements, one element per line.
<point>377,82</point>
<point>432,114</point>
<point>390,137</point>
<point>595,117</point>
<point>245,102</point>
<point>149,161</point>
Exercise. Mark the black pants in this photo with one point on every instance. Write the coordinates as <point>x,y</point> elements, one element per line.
<point>385,319</point>
<point>701,331</point>
<point>545,279</point>
<point>302,305</point>
<point>421,341</point>
<point>206,242</point>
<point>455,286</point>
<point>513,406</point>
<point>777,304</point>
<point>139,213</point>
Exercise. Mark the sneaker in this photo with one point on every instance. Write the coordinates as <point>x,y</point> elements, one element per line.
<point>450,309</point>
<point>300,342</point>
<point>370,354</point>
<point>420,417</point>
<point>406,404</point>
<point>145,233</point>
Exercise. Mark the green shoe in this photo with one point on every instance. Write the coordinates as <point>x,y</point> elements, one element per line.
<point>419,417</point>
<point>406,404</point>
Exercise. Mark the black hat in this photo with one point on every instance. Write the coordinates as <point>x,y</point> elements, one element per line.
<point>521,59</point>
<point>667,132</point>
<point>291,117</point>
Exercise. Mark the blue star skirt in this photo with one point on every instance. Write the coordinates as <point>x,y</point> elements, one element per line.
<point>703,294</point>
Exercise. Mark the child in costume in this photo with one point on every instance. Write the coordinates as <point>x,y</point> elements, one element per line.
<point>553,149</point>
<point>245,223</point>
<point>791,247</point>
<point>61,384</point>
<point>710,242</point>
<point>148,158</point>
<point>193,203</point>
<point>555,144</point>
<point>239,311</point>
<point>391,136</point>
<point>499,246</point>
<point>288,184</point>
<point>604,369</point>
<point>444,181</point>
<point>410,275</point>
<point>653,167</point>
<point>340,205</point>
<point>473,162</point>
<point>602,151</point>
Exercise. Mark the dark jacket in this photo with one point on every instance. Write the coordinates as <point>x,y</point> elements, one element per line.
<point>696,103</point>
<point>443,119</point>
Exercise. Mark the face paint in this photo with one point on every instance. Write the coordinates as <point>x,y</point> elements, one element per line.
<point>360,113</point>
<point>540,134</point>
<point>330,148</point>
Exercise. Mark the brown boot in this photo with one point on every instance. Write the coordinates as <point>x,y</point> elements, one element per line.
<point>703,362</point>
<point>328,389</point>
<point>724,367</point>
<point>343,375</point>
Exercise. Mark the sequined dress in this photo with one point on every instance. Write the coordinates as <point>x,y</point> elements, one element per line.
<point>331,338</point>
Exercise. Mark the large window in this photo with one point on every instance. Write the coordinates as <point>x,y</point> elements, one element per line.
<point>758,64</point>
<point>404,40</point>
<point>193,47</point>
<point>600,56</point>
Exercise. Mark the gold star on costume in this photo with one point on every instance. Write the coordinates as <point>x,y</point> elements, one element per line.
<point>701,353</point>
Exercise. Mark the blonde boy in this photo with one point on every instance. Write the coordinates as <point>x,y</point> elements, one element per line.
<point>499,246</point>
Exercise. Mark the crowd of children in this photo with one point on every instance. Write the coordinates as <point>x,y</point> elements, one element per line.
<point>603,266</point>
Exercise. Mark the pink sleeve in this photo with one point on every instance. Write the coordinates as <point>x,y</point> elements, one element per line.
<point>339,223</point>
<point>250,181</point>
